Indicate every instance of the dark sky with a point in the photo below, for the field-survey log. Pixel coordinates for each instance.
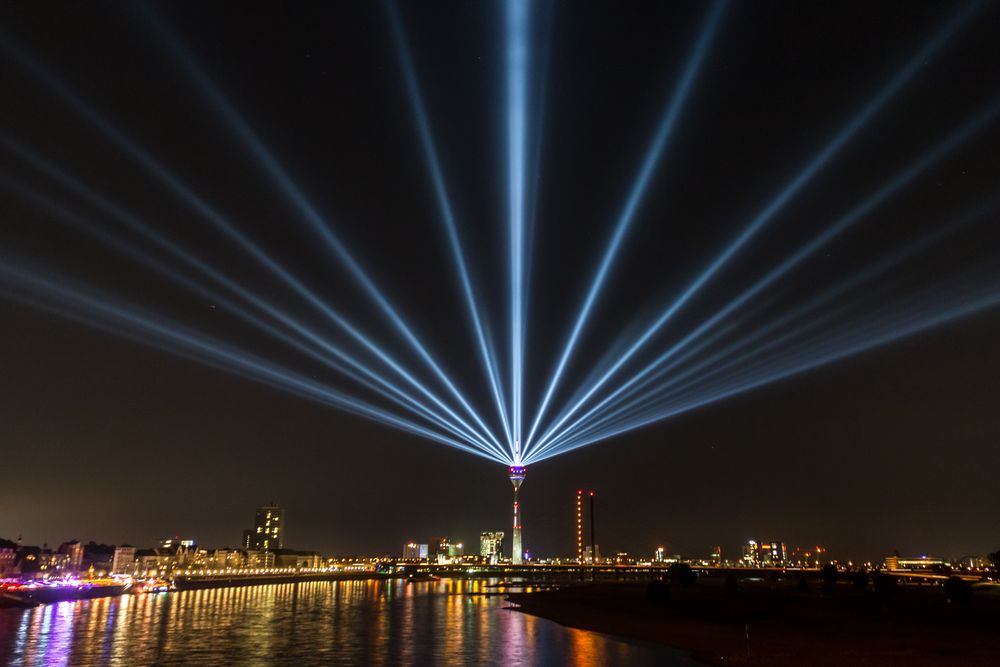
(108, 439)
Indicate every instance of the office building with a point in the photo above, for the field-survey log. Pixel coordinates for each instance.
(267, 533)
(773, 554)
(437, 546)
(414, 551)
(491, 546)
(123, 562)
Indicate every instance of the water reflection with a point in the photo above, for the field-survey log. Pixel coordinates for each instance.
(449, 622)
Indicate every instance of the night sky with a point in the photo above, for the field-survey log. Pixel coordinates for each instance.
(894, 449)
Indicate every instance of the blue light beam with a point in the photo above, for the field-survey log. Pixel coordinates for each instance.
(137, 226)
(652, 159)
(784, 196)
(866, 340)
(517, 58)
(726, 387)
(755, 364)
(193, 345)
(447, 215)
(887, 190)
(265, 159)
(147, 261)
(857, 279)
(62, 91)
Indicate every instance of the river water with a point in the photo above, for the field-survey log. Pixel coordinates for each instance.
(449, 622)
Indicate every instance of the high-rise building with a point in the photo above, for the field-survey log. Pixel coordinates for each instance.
(123, 562)
(414, 551)
(773, 554)
(750, 554)
(764, 554)
(267, 533)
(437, 546)
(491, 546)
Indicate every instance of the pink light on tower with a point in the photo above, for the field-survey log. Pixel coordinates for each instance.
(516, 475)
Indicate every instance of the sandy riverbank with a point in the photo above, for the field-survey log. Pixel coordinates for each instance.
(915, 627)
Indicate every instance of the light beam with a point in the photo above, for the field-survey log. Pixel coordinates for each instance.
(517, 58)
(625, 218)
(868, 339)
(264, 158)
(176, 338)
(447, 215)
(603, 413)
(60, 90)
(859, 121)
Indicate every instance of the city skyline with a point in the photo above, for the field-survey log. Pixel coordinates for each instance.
(264, 537)
(815, 258)
(260, 546)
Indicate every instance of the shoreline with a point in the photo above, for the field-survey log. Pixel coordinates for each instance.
(768, 623)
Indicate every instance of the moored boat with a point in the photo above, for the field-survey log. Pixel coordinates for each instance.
(42, 592)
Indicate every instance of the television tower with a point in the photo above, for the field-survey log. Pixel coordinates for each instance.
(516, 475)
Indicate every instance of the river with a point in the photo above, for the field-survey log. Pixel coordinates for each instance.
(449, 622)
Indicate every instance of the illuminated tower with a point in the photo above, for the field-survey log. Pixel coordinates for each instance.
(516, 478)
(579, 526)
(595, 553)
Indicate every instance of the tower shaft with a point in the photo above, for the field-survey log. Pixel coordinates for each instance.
(516, 475)
(517, 551)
